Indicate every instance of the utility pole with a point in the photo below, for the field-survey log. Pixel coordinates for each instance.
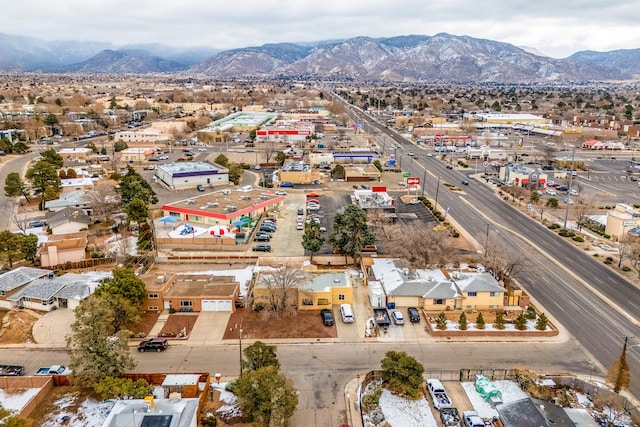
(486, 242)
(437, 190)
(424, 181)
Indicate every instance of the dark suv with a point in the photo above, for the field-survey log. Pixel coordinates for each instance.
(414, 315)
(327, 317)
(154, 344)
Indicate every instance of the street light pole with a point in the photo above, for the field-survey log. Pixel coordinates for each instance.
(486, 242)
(437, 190)
(566, 209)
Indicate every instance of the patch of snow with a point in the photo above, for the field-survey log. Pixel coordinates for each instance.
(115, 245)
(16, 400)
(510, 393)
(400, 412)
(583, 400)
(231, 409)
(89, 413)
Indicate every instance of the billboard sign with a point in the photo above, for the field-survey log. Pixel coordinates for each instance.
(413, 181)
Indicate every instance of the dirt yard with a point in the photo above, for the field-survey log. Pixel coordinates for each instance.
(265, 325)
(147, 321)
(177, 324)
(17, 326)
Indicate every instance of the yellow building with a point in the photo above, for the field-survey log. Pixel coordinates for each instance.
(622, 219)
(318, 290)
(432, 290)
(297, 172)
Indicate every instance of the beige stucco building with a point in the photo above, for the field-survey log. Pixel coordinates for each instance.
(622, 219)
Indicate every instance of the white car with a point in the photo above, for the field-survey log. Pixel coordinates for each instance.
(397, 316)
(551, 192)
(415, 202)
(163, 158)
(281, 193)
(300, 226)
(202, 149)
(573, 192)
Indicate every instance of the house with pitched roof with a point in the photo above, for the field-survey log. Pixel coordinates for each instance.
(13, 281)
(51, 292)
(433, 290)
(63, 248)
(68, 220)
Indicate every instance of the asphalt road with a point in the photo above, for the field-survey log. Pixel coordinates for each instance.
(597, 306)
(320, 371)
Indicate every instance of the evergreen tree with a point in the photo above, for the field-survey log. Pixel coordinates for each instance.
(311, 240)
(259, 355)
(14, 186)
(351, 232)
(541, 323)
(530, 312)
(403, 374)
(480, 322)
(462, 322)
(499, 323)
(521, 322)
(441, 321)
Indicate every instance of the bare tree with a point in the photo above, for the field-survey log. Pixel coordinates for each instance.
(104, 200)
(376, 219)
(504, 263)
(581, 210)
(21, 223)
(270, 150)
(549, 153)
(422, 246)
(282, 285)
(626, 244)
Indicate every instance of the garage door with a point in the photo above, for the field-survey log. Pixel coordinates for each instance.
(216, 305)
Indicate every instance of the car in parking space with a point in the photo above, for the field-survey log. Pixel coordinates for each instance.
(300, 211)
(281, 193)
(36, 224)
(323, 229)
(267, 229)
(573, 192)
(327, 317)
(313, 207)
(262, 247)
(551, 192)
(163, 158)
(200, 187)
(414, 315)
(415, 202)
(357, 187)
(286, 184)
(262, 238)
(153, 344)
(397, 317)
(365, 187)
(300, 218)
(202, 149)
(154, 159)
(299, 226)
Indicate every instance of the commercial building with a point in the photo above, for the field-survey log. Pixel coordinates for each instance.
(297, 172)
(289, 133)
(522, 176)
(136, 154)
(362, 173)
(190, 174)
(78, 154)
(621, 220)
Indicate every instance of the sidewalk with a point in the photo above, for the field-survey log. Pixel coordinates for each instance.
(352, 402)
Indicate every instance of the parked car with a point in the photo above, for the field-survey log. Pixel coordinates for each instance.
(281, 193)
(573, 192)
(465, 182)
(153, 344)
(300, 226)
(163, 158)
(200, 187)
(414, 315)
(415, 202)
(300, 211)
(313, 207)
(262, 247)
(551, 192)
(397, 316)
(365, 187)
(327, 317)
(262, 238)
(286, 184)
(357, 187)
(449, 167)
(35, 224)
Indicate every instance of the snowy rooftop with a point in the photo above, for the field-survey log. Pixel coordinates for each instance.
(180, 379)
(163, 412)
(323, 282)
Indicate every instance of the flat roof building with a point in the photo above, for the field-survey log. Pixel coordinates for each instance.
(190, 174)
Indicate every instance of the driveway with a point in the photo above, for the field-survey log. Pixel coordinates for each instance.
(51, 329)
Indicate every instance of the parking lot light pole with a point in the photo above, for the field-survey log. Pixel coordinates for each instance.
(437, 190)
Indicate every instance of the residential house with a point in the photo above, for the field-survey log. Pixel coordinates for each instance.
(432, 290)
(316, 290)
(63, 248)
(68, 220)
(535, 413)
(75, 199)
(192, 293)
(52, 292)
(12, 281)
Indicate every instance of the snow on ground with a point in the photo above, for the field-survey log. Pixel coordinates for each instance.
(115, 245)
(89, 413)
(16, 400)
(231, 409)
(510, 393)
(454, 326)
(399, 412)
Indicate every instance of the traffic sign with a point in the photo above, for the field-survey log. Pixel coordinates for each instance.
(406, 175)
(485, 163)
(413, 181)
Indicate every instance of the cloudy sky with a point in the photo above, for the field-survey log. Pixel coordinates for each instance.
(557, 28)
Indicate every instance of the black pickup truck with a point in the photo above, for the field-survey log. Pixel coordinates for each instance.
(11, 370)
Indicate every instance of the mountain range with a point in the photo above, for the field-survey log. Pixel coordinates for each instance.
(442, 58)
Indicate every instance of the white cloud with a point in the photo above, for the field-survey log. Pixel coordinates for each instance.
(558, 28)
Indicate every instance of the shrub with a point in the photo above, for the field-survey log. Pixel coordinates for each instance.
(209, 421)
(480, 322)
(608, 260)
(462, 322)
(441, 321)
(521, 322)
(530, 313)
(372, 400)
(499, 324)
(578, 239)
(626, 268)
(455, 234)
(541, 323)
(554, 226)
(258, 307)
(172, 310)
